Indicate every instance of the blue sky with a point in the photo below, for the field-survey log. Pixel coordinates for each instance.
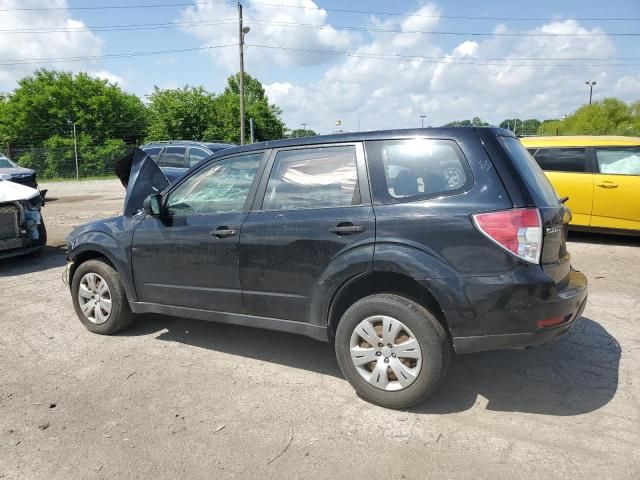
(464, 76)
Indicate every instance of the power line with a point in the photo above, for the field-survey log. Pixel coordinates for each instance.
(436, 60)
(430, 32)
(30, 61)
(222, 21)
(303, 7)
(450, 17)
(375, 56)
(111, 7)
(112, 28)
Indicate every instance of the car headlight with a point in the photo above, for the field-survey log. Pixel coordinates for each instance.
(5, 176)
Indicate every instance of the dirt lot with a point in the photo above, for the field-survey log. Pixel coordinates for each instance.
(175, 398)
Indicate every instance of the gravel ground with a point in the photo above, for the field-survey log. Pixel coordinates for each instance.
(176, 398)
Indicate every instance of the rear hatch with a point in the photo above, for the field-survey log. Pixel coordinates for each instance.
(529, 187)
(141, 176)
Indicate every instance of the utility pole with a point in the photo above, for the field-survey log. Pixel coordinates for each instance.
(242, 31)
(422, 117)
(591, 84)
(251, 130)
(304, 128)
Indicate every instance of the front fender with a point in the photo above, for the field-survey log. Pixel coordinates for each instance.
(108, 246)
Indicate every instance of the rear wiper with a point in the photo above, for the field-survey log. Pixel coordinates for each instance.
(563, 199)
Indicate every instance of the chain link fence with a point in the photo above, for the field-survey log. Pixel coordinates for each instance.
(61, 159)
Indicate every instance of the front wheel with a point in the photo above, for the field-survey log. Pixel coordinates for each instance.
(99, 298)
(393, 351)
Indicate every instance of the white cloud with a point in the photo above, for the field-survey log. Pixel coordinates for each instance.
(628, 88)
(108, 76)
(270, 26)
(33, 45)
(394, 76)
(490, 78)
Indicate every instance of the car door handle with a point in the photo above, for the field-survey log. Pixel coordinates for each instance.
(607, 184)
(223, 232)
(346, 229)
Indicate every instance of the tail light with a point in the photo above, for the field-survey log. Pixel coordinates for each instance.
(518, 231)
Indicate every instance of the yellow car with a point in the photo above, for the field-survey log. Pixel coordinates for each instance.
(599, 174)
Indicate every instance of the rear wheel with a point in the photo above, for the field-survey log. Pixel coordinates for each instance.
(393, 351)
(99, 298)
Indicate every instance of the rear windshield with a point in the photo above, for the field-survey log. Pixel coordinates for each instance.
(531, 172)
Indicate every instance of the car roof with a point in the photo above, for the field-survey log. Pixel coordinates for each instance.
(579, 141)
(194, 143)
(440, 132)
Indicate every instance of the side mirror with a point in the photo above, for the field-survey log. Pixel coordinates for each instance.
(152, 205)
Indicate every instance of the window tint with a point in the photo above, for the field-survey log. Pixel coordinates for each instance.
(173, 157)
(313, 178)
(221, 187)
(562, 159)
(417, 168)
(532, 174)
(153, 152)
(196, 154)
(619, 160)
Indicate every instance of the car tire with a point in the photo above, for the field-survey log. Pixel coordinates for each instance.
(419, 380)
(89, 276)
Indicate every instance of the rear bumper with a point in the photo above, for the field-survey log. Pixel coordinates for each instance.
(568, 303)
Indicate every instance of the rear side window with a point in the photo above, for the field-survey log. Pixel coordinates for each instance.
(173, 157)
(414, 169)
(196, 155)
(530, 171)
(619, 160)
(153, 152)
(562, 159)
(322, 177)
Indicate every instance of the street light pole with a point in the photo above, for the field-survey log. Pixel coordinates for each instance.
(422, 117)
(591, 84)
(241, 31)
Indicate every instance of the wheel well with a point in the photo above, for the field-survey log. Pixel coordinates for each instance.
(88, 255)
(384, 282)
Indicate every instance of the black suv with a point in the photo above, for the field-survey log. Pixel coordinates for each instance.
(398, 246)
(176, 157)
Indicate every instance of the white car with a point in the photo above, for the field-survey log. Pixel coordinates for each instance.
(22, 229)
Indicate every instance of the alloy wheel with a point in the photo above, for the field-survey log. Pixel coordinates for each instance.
(385, 353)
(94, 298)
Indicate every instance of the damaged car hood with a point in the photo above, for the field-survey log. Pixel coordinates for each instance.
(14, 192)
(141, 176)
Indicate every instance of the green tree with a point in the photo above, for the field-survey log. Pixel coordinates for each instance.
(187, 113)
(301, 132)
(607, 117)
(58, 156)
(551, 127)
(521, 127)
(474, 122)
(266, 116)
(49, 102)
